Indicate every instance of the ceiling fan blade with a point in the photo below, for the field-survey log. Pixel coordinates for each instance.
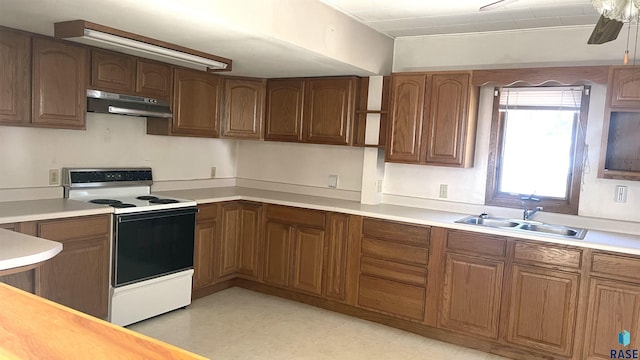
(493, 4)
(606, 30)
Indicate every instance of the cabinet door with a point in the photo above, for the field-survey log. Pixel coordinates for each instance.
(329, 106)
(470, 300)
(614, 306)
(277, 254)
(229, 249)
(405, 127)
(78, 276)
(249, 240)
(112, 71)
(624, 88)
(283, 120)
(308, 260)
(243, 108)
(15, 77)
(543, 309)
(335, 274)
(204, 254)
(195, 103)
(447, 117)
(59, 84)
(153, 79)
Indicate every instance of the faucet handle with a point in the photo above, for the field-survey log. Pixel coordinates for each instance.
(529, 198)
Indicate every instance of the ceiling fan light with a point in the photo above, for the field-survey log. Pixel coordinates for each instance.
(621, 10)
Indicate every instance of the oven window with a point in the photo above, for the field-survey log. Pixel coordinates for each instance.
(149, 245)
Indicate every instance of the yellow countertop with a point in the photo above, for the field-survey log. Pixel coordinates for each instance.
(35, 328)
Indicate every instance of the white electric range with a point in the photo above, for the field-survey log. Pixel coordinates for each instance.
(153, 240)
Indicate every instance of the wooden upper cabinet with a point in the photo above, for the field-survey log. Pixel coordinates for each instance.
(448, 122)
(624, 87)
(543, 307)
(59, 84)
(15, 77)
(196, 96)
(125, 74)
(153, 79)
(432, 119)
(283, 121)
(243, 108)
(405, 129)
(329, 110)
(112, 71)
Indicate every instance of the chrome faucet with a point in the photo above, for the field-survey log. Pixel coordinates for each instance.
(528, 214)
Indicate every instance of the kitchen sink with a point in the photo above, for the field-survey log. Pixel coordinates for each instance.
(525, 226)
(487, 221)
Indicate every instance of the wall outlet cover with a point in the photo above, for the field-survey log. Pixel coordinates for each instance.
(444, 191)
(213, 172)
(333, 181)
(54, 176)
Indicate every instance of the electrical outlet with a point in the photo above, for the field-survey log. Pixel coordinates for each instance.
(621, 194)
(444, 189)
(333, 181)
(213, 172)
(54, 176)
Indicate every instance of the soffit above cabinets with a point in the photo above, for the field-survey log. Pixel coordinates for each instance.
(418, 17)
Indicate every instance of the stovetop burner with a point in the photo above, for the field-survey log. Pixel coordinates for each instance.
(105, 201)
(147, 197)
(122, 205)
(163, 201)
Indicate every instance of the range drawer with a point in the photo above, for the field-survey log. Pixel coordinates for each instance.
(391, 297)
(409, 274)
(395, 231)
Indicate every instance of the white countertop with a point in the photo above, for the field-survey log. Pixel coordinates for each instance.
(34, 210)
(595, 239)
(18, 249)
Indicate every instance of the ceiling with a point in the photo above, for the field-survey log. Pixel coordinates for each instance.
(430, 17)
(282, 38)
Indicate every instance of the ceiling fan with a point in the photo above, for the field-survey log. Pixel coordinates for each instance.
(614, 13)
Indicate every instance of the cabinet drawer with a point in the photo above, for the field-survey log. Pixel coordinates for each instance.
(396, 252)
(616, 265)
(75, 228)
(298, 216)
(546, 254)
(393, 271)
(389, 230)
(207, 212)
(391, 297)
(475, 243)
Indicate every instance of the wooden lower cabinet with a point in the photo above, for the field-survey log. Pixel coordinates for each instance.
(78, 276)
(336, 257)
(204, 272)
(239, 241)
(543, 307)
(277, 253)
(308, 260)
(614, 306)
(470, 300)
(249, 239)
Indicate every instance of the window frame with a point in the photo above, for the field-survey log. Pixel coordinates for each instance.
(564, 206)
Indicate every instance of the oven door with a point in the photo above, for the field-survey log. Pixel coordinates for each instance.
(152, 244)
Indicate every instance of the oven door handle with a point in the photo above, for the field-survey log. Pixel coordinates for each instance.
(158, 214)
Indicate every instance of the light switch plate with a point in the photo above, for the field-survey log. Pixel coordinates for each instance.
(621, 194)
(444, 191)
(54, 176)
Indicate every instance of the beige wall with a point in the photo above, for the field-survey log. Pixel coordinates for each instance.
(27, 154)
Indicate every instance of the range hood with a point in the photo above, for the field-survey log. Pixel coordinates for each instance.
(110, 103)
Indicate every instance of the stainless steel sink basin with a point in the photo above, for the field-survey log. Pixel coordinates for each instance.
(554, 230)
(525, 226)
(487, 221)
